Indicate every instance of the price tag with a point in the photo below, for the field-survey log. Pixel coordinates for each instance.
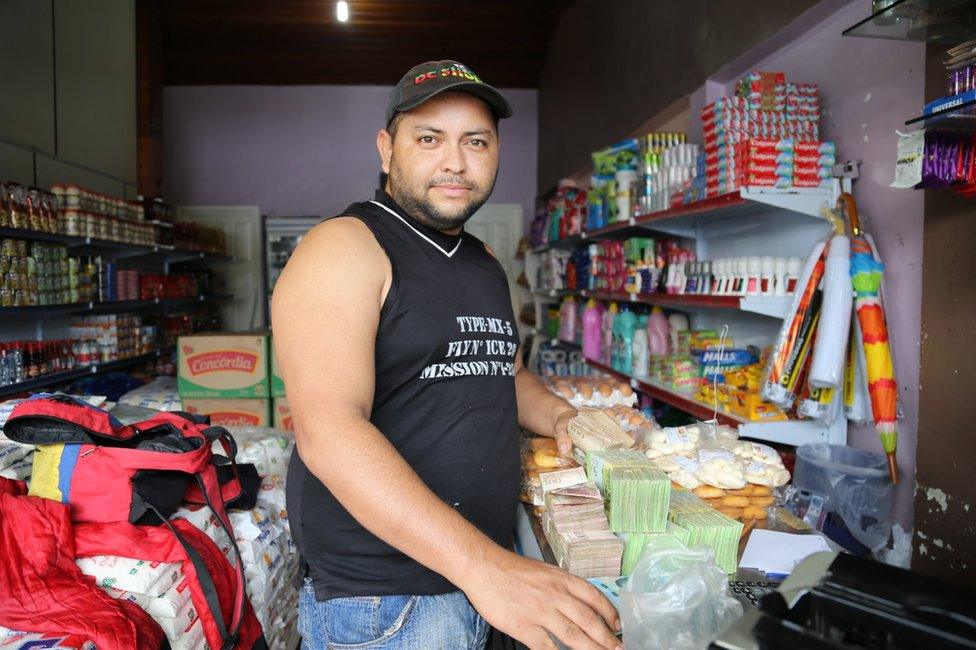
(755, 467)
(688, 464)
(676, 437)
(764, 450)
(714, 454)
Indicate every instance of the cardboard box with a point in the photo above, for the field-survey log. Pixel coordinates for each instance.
(232, 412)
(223, 365)
(281, 414)
(277, 383)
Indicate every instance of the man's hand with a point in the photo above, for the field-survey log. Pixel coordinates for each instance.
(561, 433)
(531, 600)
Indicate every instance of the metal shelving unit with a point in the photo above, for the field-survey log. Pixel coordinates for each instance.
(750, 214)
(56, 378)
(681, 220)
(788, 432)
(107, 306)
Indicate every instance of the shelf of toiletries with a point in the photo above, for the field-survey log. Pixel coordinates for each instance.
(772, 306)
(746, 201)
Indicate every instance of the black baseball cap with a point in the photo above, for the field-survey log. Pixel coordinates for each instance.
(433, 77)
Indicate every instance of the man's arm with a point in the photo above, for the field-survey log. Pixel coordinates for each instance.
(539, 410)
(325, 313)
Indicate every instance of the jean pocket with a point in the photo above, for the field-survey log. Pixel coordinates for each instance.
(360, 623)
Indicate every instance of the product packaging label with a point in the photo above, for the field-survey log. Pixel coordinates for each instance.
(281, 414)
(223, 366)
(231, 412)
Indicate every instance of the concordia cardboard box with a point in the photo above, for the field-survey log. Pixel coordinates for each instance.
(277, 383)
(281, 414)
(231, 412)
(223, 365)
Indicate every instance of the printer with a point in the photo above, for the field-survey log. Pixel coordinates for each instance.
(836, 600)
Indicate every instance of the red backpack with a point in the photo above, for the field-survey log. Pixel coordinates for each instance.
(138, 473)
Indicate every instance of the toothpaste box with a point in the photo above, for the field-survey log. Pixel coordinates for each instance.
(223, 365)
(231, 412)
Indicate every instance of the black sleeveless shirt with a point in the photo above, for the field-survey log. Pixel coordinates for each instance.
(444, 397)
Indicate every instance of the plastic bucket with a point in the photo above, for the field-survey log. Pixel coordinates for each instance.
(854, 484)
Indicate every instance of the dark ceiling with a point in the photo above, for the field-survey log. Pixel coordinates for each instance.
(301, 42)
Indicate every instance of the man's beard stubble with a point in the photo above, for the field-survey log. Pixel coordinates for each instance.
(415, 202)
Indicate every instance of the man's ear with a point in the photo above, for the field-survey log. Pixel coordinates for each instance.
(384, 145)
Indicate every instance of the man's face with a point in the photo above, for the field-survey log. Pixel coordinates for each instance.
(443, 160)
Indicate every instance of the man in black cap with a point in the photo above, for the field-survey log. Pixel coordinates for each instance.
(394, 331)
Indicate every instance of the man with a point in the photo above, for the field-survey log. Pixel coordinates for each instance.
(395, 335)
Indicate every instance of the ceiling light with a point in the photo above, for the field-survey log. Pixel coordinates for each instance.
(342, 11)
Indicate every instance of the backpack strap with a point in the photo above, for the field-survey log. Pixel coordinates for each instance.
(207, 481)
(229, 639)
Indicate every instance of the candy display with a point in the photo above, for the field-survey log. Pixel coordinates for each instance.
(931, 159)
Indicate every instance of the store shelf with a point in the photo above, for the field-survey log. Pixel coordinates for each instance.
(788, 432)
(681, 220)
(930, 21)
(554, 293)
(128, 250)
(64, 377)
(107, 306)
(772, 306)
(678, 399)
(960, 116)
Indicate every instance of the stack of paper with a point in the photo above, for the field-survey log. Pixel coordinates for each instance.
(715, 530)
(637, 499)
(599, 463)
(575, 508)
(593, 429)
(774, 552)
(575, 524)
(636, 543)
(588, 553)
(683, 502)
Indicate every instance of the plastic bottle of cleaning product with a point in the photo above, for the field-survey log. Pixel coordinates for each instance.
(639, 353)
(609, 316)
(625, 325)
(567, 320)
(592, 335)
(657, 333)
(677, 322)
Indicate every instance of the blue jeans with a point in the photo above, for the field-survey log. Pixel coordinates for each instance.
(446, 621)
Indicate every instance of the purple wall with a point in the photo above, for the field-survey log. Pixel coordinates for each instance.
(868, 88)
(305, 150)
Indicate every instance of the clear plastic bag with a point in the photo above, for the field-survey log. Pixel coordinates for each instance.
(677, 598)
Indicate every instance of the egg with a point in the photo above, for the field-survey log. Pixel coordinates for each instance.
(585, 391)
(625, 390)
(565, 392)
(635, 420)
